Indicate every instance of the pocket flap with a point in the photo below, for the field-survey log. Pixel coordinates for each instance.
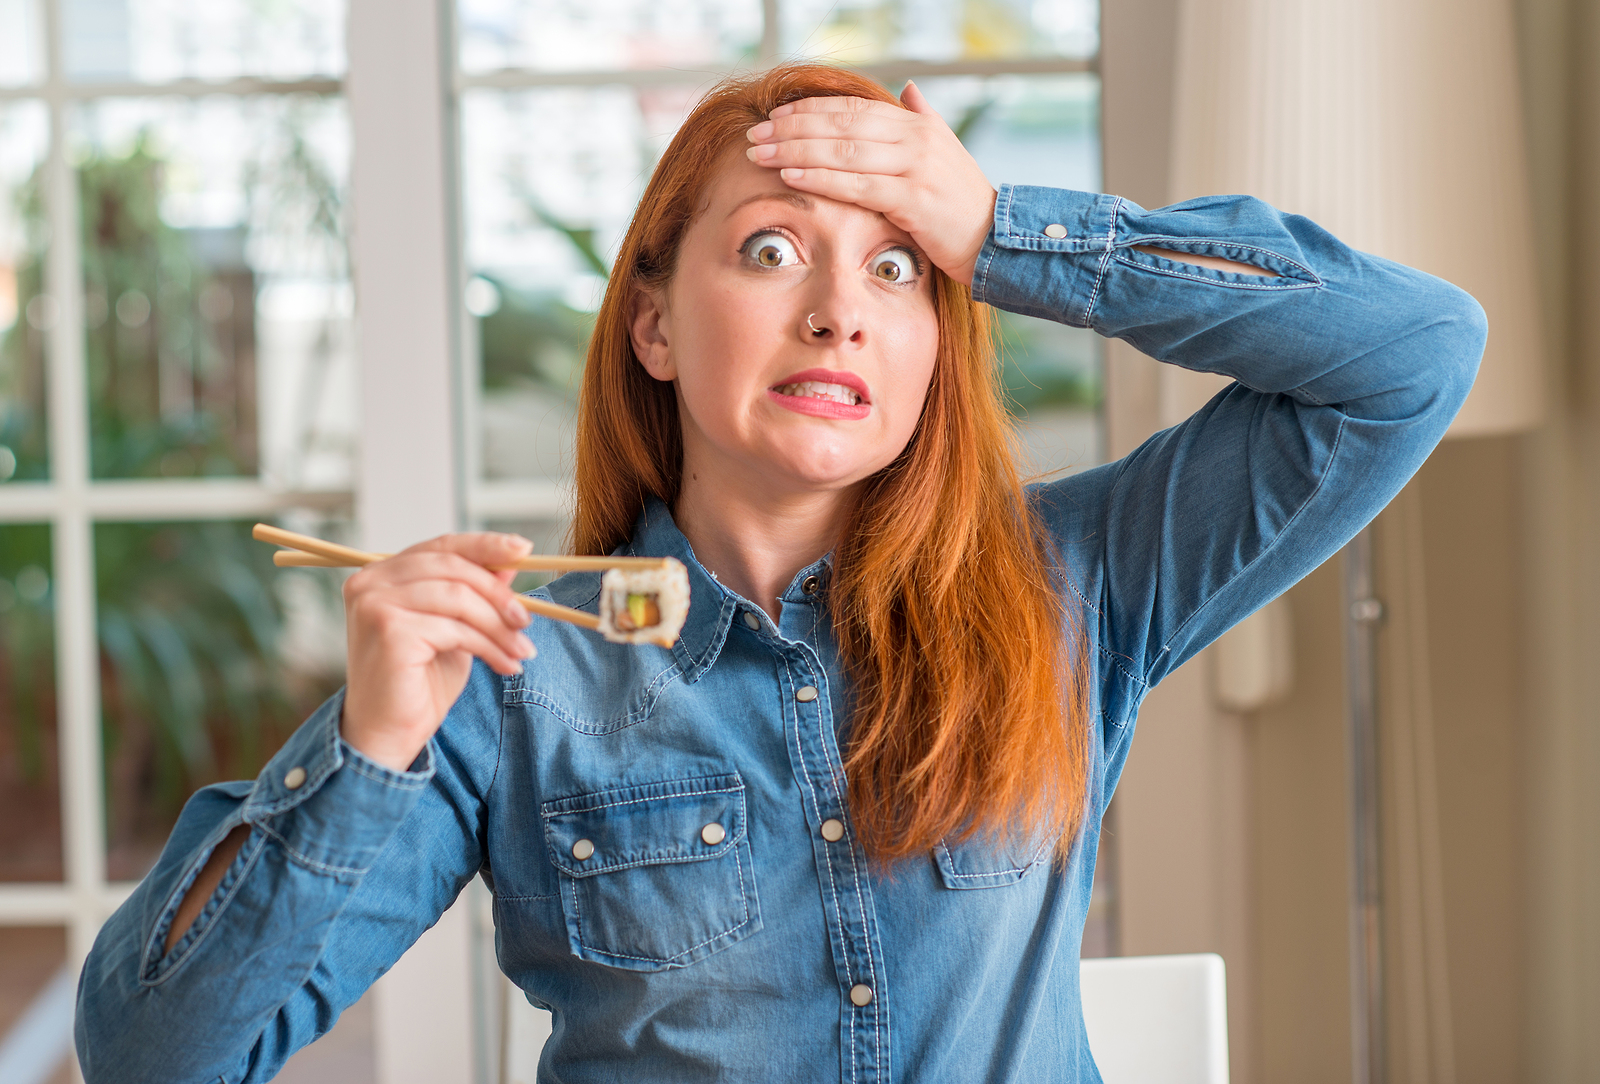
(980, 863)
(649, 824)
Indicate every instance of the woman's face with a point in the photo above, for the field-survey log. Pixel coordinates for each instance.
(764, 400)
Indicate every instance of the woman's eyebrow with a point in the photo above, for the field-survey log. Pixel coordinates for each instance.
(794, 198)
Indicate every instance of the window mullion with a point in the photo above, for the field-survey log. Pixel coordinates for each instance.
(72, 543)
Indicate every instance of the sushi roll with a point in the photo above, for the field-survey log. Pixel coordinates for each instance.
(644, 606)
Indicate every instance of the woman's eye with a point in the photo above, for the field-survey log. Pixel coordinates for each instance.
(772, 250)
(896, 265)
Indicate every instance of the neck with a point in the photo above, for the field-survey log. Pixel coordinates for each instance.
(756, 541)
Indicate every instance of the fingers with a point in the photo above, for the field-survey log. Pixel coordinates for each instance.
(874, 192)
(459, 558)
(389, 609)
(835, 103)
(836, 124)
(444, 635)
(480, 547)
(855, 155)
(911, 97)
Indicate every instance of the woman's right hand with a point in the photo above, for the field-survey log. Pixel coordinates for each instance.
(413, 624)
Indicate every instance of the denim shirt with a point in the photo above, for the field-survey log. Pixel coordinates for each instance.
(709, 927)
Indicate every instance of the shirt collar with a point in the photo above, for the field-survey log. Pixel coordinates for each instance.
(712, 607)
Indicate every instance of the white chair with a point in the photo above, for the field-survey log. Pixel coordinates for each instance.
(1157, 1019)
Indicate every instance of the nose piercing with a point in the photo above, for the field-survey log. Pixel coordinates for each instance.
(815, 330)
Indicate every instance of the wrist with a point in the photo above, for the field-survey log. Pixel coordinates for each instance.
(397, 752)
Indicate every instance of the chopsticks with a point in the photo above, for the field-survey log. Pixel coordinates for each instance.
(307, 552)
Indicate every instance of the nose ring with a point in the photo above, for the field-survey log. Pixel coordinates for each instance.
(815, 330)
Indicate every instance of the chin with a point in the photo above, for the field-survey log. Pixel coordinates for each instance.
(830, 468)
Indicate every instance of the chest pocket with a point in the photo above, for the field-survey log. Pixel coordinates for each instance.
(655, 875)
(980, 862)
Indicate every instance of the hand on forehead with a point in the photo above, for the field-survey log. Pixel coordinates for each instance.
(904, 163)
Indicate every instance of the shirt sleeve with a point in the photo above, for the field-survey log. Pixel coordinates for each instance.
(1347, 370)
(347, 863)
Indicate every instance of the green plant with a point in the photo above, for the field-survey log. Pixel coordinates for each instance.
(190, 623)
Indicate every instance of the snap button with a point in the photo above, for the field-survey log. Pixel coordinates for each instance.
(806, 693)
(860, 995)
(832, 830)
(751, 620)
(810, 585)
(1055, 230)
(294, 778)
(583, 850)
(713, 834)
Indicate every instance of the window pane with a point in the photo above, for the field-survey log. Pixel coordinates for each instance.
(30, 795)
(34, 976)
(614, 35)
(21, 44)
(1042, 130)
(863, 31)
(210, 657)
(551, 179)
(159, 40)
(217, 296)
(25, 313)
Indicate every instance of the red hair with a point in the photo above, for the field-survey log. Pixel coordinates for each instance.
(969, 711)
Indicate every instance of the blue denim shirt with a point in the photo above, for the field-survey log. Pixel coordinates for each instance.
(675, 952)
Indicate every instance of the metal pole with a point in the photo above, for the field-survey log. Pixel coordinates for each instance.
(1363, 612)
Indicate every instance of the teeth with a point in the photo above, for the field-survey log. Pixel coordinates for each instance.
(815, 389)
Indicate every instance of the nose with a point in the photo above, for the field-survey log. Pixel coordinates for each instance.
(833, 317)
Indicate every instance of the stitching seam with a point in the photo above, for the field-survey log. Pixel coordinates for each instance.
(307, 861)
(1105, 259)
(549, 813)
(1215, 282)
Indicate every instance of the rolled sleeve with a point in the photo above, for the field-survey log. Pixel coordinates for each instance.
(1009, 273)
(331, 808)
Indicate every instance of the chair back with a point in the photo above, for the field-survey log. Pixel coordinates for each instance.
(1157, 1019)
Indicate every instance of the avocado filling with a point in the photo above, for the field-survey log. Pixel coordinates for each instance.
(643, 613)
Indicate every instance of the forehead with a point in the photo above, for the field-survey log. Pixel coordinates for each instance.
(738, 185)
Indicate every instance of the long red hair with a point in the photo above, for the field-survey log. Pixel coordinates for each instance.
(969, 712)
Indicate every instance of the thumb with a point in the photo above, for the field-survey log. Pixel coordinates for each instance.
(911, 97)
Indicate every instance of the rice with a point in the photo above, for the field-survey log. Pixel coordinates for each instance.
(647, 606)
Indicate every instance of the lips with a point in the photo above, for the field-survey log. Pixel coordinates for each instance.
(829, 385)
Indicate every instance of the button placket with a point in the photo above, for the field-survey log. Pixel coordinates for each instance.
(846, 892)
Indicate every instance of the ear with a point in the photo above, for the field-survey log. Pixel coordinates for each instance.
(648, 326)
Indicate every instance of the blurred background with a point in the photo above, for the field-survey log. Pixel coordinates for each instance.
(335, 265)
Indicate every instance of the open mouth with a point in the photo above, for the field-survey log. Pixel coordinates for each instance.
(816, 389)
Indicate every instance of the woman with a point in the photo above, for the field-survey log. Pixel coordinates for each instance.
(848, 823)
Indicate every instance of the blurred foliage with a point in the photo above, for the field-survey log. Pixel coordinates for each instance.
(142, 284)
(533, 336)
(27, 646)
(190, 626)
(22, 388)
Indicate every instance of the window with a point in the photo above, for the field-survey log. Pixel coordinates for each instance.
(175, 362)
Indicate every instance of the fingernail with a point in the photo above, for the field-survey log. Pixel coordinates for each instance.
(761, 131)
(762, 152)
(791, 174)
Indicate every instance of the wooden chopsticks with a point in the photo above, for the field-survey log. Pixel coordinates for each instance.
(306, 552)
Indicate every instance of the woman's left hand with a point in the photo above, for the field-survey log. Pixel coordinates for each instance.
(903, 163)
